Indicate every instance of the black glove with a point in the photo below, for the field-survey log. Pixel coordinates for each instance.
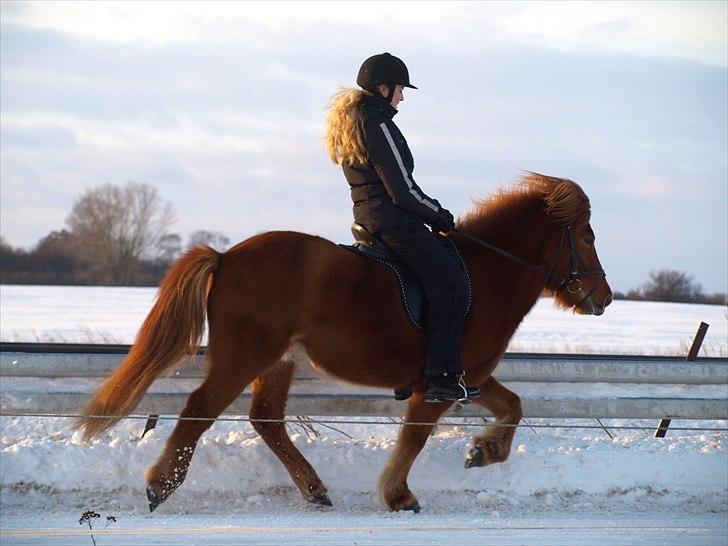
(445, 221)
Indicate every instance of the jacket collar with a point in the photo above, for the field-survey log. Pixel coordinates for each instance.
(379, 105)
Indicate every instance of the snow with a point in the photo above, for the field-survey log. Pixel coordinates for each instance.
(559, 486)
(91, 314)
(269, 527)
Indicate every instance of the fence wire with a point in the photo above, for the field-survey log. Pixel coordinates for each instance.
(393, 421)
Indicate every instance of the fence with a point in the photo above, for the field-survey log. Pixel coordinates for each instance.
(57, 379)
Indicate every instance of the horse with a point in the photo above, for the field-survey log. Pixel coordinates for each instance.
(282, 290)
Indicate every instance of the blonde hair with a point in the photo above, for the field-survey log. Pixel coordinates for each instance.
(344, 139)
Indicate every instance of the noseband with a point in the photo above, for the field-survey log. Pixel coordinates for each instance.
(571, 283)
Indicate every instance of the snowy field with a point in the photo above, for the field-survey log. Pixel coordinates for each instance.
(89, 314)
(560, 485)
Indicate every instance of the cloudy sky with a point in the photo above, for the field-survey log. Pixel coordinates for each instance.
(221, 107)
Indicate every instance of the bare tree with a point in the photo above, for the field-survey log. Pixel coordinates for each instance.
(671, 285)
(215, 239)
(116, 227)
(169, 248)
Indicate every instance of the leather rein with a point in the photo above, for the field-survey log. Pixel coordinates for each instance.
(572, 283)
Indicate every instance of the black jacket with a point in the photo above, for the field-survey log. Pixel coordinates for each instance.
(383, 190)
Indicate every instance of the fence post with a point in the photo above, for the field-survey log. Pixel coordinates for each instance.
(692, 355)
(151, 423)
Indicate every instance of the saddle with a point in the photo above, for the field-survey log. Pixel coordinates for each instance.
(413, 295)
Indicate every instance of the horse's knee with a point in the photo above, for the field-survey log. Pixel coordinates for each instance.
(196, 405)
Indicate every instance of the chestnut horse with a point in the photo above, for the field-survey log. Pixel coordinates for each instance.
(282, 289)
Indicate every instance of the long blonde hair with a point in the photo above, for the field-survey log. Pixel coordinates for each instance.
(344, 139)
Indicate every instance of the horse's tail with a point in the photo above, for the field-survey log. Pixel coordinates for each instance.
(172, 331)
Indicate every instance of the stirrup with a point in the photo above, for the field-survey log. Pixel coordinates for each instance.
(471, 392)
(468, 392)
(463, 397)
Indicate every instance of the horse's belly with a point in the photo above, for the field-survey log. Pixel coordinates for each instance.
(372, 368)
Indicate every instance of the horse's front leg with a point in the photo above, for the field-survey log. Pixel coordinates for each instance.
(494, 445)
(393, 487)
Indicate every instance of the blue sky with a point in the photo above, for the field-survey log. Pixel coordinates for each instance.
(221, 106)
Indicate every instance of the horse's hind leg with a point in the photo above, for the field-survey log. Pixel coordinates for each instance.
(393, 488)
(233, 363)
(270, 392)
(494, 445)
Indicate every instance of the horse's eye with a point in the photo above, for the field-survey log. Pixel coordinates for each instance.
(590, 242)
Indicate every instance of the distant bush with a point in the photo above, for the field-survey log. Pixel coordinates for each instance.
(56, 264)
(52, 262)
(672, 286)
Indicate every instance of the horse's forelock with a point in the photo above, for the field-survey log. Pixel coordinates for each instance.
(564, 199)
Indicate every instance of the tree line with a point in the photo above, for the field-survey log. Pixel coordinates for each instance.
(120, 236)
(115, 236)
(674, 286)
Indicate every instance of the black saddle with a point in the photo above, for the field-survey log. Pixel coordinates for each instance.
(413, 295)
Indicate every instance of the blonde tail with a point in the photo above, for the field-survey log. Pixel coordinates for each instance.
(172, 331)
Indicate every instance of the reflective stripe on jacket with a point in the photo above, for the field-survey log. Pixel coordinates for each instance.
(384, 193)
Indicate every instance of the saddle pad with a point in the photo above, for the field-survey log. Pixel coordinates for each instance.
(413, 295)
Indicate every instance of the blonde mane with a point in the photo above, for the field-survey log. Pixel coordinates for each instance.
(343, 140)
(563, 199)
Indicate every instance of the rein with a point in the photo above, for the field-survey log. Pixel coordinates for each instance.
(572, 283)
(503, 253)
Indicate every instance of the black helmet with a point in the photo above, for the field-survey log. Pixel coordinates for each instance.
(383, 69)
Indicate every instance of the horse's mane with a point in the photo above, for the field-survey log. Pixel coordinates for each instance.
(562, 199)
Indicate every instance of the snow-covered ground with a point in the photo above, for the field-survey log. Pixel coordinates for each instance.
(92, 314)
(560, 485)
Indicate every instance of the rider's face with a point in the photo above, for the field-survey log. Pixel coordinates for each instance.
(396, 98)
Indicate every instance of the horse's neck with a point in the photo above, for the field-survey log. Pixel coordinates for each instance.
(505, 291)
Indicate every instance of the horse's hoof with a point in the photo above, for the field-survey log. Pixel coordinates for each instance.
(321, 499)
(474, 457)
(414, 507)
(154, 499)
(403, 393)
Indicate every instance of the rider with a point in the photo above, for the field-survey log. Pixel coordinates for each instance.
(378, 164)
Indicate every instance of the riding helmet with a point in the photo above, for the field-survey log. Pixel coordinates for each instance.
(383, 69)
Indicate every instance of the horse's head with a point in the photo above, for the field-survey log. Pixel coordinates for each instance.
(575, 277)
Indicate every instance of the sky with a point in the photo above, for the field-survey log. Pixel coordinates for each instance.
(221, 107)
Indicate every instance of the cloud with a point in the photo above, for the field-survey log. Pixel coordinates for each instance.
(686, 29)
(226, 119)
(672, 29)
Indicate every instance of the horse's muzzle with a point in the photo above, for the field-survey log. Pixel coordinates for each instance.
(599, 309)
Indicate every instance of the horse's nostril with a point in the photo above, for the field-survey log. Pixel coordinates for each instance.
(607, 300)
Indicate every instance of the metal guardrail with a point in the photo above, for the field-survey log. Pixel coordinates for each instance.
(83, 360)
(57, 378)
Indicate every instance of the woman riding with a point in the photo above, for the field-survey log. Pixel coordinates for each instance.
(378, 164)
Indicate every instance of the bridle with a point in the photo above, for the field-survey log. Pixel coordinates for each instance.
(572, 283)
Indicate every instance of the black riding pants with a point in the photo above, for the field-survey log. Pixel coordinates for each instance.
(445, 287)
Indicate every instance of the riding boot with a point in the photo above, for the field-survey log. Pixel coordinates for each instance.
(442, 387)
